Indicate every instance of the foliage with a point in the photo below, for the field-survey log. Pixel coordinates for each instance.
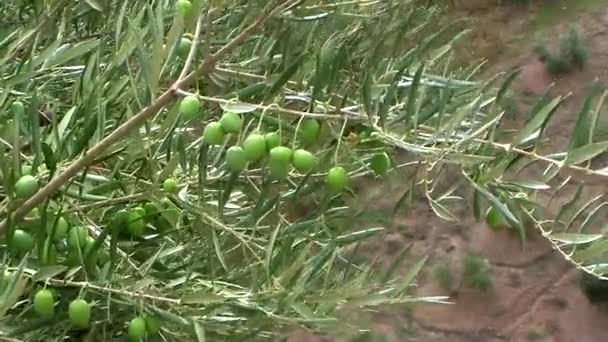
(572, 54)
(476, 272)
(90, 105)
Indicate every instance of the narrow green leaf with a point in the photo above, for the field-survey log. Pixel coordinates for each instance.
(96, 5)
(397, 262)
(366, 94)
(200, 332)
(358, 235)
(530, 184)
(270, 251)
(238, 108)
(537, 121)
(506, 85)
(585, 153)
(72, 52)
(592, 217)
(218, 248)
(442, 211)
(410, 107)
(503, 209)
(286, 75)
(48, 272)
(411, 275)
(582, 134)
(202, 298)
(49, 159)
(574, 239)
(456, 120)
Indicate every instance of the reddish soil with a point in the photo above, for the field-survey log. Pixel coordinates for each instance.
(534, 294)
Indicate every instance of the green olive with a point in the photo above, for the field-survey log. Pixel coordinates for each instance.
(273, 139)
(494, 219)
(279, 170)
(183, 7)
(44, 303)
(254, 146)
(309, 131)
(281, 155)
(152, 325)
(137, 329)
(183, 49)
(79, 312)
(88, 248)
(213, 134)
(136, 224)
(380, 163)
(190, 107)
(236, 159)
(336, 179)
(151, 210)
(26, 186)
(18, 109)
(170, 186)
(77, 237)
(303, 161)
(22, 241)
(231, 122)
(61, 229)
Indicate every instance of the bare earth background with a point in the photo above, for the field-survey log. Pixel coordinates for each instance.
(534, 294)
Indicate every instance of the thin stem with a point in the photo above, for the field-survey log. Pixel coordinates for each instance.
(340, 140)
(277, 109)
(192, 52)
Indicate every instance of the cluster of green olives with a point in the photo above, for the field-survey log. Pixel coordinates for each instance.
(79, 315)
(281, 158)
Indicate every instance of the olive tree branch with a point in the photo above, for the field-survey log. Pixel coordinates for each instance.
(140, 118)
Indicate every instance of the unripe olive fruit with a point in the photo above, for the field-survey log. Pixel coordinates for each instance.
(303, 161)
(183, 7)
(281, 155)
(79, 313)
(44, 303)
(151, 210)
(170, 186)
(236, 159)
(231, 122)
(494, 219)
(380, 163)
(88, 248)
(22, 241)
(254, 146)
(137, 329)
(26, 170)
(26, 186)
(213, 134)
(183, 49)
(77, 237)
(61, 229)
(189, 107)
(279, 170)
(336, 179)
(309, 131)
(136, 224)
(152, 325)
(273, 139)
(18, 108)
